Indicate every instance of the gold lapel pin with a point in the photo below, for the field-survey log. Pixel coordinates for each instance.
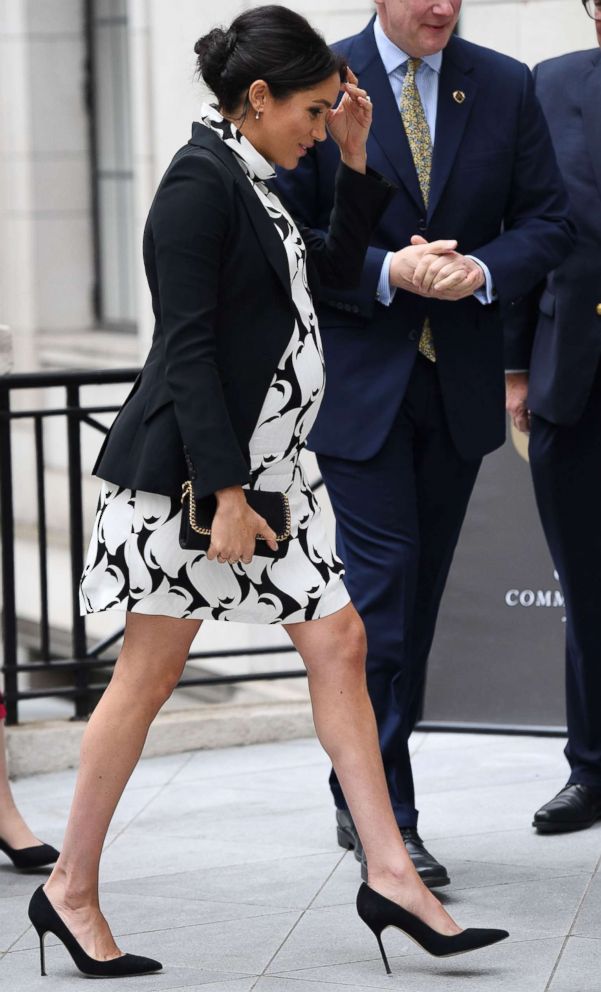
(458, 96)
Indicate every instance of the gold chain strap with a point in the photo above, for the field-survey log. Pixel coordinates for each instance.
(187, 492)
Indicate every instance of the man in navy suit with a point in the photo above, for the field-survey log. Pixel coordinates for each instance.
(557, 336)
(414, 356)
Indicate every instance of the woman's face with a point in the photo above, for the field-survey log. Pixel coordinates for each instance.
(287, 128)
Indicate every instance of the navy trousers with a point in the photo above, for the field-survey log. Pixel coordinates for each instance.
(566, 469)
(398, 516)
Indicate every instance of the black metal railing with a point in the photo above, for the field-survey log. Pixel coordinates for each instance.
(87, 661)
(82, 670)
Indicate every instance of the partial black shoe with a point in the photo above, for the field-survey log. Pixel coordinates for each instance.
(30, 857)
(347, 835)
(46, 920)
(575, 807)
(431, 872)
(377, 913)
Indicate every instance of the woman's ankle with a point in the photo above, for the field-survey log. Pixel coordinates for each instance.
(71, 894)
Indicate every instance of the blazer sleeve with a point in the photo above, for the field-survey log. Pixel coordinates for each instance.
(309, 192)
(190, 219)
(538, 232)
(339, 252)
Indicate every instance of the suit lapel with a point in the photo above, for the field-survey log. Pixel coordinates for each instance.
(591, 113)
(387, 128)
(452, 116)
(269, 239)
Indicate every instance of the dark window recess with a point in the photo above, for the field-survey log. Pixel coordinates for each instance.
(111, 152)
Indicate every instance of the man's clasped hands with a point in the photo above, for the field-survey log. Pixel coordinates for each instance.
(435, 269)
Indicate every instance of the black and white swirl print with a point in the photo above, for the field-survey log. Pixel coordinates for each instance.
(134, 560)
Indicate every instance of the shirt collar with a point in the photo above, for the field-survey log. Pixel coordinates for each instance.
(394, 57)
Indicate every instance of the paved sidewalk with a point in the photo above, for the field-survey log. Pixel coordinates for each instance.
(223, 864)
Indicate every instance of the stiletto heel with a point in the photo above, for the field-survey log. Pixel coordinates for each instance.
(383, 953)
(377, 913)
(41, 934)
(45, 920)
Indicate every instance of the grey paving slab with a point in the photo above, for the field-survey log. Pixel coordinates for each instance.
(436, 770)
(133, 914)
(157, 845)
(481, 810)
(13, 922)
(289, 883)
(252, 759)
(523, 967)
(588, 920)
(529, 910)
(579, 968)
(328, 936)
(477, 742)
(296, 781)
(20, 972)
(229, 948)
(342, 886)
(20, 883)
(233, 985)
(562, 854)
(274, 983)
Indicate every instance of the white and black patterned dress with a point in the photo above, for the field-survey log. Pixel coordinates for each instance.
(134, 560)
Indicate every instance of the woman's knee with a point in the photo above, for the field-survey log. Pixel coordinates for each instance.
(152, 659)
(343, 648)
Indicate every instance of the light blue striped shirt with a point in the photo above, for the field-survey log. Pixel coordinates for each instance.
(426, 79)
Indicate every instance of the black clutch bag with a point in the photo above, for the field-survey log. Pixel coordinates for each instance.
(197, 518)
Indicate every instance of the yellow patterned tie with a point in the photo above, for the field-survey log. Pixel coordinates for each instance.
(420, 143)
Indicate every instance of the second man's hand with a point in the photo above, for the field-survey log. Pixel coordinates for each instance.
(435, 270)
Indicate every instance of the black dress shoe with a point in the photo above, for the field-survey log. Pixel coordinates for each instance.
(347, 835)
(431, 872)
(575, 807)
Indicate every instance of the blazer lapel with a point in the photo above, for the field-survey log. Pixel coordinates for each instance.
(264, 227)
(387, 128)
(591, 114)
(452, 116)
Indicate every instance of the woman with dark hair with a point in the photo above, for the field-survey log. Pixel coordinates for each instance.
(228, 393)
(16, 839)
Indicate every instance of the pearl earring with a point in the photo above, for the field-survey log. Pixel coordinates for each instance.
(258, 115)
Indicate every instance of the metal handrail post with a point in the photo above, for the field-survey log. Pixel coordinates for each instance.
(7, 535)
(79, 639)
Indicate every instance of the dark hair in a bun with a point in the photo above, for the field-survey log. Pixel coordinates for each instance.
(271, 43)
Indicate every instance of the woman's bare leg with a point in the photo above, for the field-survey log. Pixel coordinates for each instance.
(333, 650)
(149, 667)
(13, 828)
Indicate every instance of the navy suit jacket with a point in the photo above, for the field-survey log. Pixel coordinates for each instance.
(557, 332)
(495, 187)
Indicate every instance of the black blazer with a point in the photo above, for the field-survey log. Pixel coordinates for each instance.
(221, 296)
(557, 333)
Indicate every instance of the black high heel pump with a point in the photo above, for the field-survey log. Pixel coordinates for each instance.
(30, 857)
(377, 913)
(46, 920)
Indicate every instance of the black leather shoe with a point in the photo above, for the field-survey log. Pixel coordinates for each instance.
(431, 872)
(575, 807)
(347, 834)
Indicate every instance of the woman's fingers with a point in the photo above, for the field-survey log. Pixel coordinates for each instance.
(268, 534)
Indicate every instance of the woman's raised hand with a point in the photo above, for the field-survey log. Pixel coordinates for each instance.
(350, 122)
(236, 527)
